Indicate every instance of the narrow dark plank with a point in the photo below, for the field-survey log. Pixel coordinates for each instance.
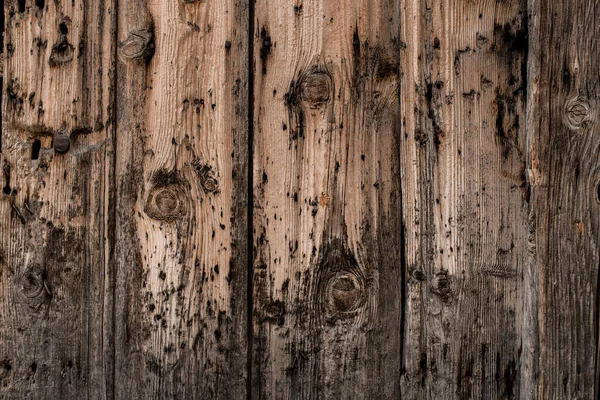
(563, 161)
(54, 270)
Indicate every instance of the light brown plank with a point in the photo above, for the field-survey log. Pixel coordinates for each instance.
(464, 196)
(327, 226)
(181, 172)
(56, 130)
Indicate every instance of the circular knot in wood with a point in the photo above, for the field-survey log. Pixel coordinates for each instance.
(32, 284)
(166, 203)
(344, 293)
(206, 176)
(443, 286)
(34, 291)
(167, 200)
(138, 45)
(62, 53)
(315, 89)
(341, 288)
(577, 114)
(274, 311)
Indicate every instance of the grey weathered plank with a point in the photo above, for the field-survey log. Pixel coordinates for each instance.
(327, 239)
(181, 190)
(56, 129)
(563, 153)
(464, 196)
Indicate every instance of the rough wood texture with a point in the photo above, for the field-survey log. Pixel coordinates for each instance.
(327, 268)
(181, 190)
(563, 153)
(361, 199)
(464, 196)
(56, 123)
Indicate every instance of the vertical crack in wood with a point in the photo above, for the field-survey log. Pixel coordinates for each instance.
(250, 222)
(111, 207)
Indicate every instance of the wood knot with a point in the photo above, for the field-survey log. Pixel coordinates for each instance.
(167, 200)
(206, 176)
(344, 293)
(139, 45)
(577, 113)
(315, 89)
(443, 286)
(341, 291)
(61, 142)
(5, 368)
(274, 311)
(62, 53)
(34, 289)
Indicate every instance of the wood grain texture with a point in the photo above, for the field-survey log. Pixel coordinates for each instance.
(181, 200)
(54, 272)
(463, 94)
(563, 153)
(327, 262)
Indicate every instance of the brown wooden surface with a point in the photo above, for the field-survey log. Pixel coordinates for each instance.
(327, 267)
(299, 200)
(464, 196)
(563, 153)
(54, 269)
(180, 184)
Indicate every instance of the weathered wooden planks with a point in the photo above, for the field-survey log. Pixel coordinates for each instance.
(327, 269)
(464, 196)
(56, 130)
(563, 161)
(181, 199)
(425, 190)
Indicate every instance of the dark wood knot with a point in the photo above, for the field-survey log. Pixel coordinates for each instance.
(5, 368)
(165, 203)
(62, 53)
(344, 293)
(274, 311)
(577, 113)
(443, 286)
(61, 142)
(167, 200)
(341, 289)
(138, 45)
(315, 89)
(33, 288)
(206, 176)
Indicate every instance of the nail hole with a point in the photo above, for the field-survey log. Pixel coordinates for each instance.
(35, 149)
(63, 28)
(21, 6)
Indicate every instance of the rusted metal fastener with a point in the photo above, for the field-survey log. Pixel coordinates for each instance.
(62, 142)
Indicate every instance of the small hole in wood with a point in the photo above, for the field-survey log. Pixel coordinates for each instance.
(35, 149)
(63, 28)
(40, 4)
(598, 192)
(6, 190)
(21, 6)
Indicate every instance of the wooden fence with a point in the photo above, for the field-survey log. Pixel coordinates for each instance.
(303, 199)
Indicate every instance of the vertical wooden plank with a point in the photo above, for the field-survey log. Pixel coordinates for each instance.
(181, 197)
(563, 161)
(464, 196)
(327, 268)
(56, 129)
